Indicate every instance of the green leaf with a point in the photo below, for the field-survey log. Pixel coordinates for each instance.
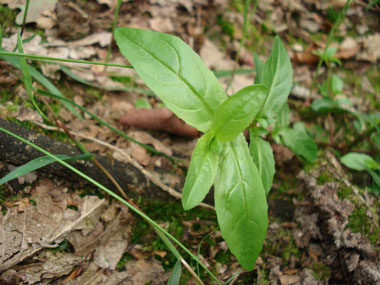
(36, 164)
(240, 202)
(174, 72)
(27, 78)
(234, 114)
(359, 161)
(283, 117)
(277, 76)
(262, 154)
(299, 141)
(142, 103)
(175, 276)
(202, 171)
(259, 65)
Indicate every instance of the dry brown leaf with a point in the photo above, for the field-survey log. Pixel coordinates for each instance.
(306, 56)
(35, 11)
(371, 46)
(158, 119)
(348, 48)
(146, 138)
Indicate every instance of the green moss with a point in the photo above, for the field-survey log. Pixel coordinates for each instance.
(123, 260)
(321, 271)
(358, 222)
(2, 197)
(7, 18)
(344, 192)
(226, 26)
(171, 214)
(288, 251)
(223, 257)
(324, 177)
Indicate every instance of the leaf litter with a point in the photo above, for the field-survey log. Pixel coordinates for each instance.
(297, 251)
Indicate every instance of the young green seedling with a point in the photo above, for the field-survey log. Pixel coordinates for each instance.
(172, 70)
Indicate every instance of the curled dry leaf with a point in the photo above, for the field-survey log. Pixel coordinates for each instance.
(306, 56)
(158, 119)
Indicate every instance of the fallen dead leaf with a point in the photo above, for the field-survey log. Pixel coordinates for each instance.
(35, 11)
(371, 45)
(158, 119)
(306, 56)
(348, 48)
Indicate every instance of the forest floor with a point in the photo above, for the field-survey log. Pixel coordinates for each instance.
(323, 217)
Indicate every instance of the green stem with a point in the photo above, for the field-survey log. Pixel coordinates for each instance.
(113, 28)
(341, 16)
(50, 58)
(117, 197)
(245, 27)
(25, 14)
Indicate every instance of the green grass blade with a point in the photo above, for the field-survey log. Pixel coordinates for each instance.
(25, 15)
(147, 147)
(43, 58)
(38, 163)
(27, 78)
(71, 74)
(175, 276)
(113, 28)
(117, 197)
(40, 78)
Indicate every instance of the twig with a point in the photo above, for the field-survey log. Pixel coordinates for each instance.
(187, 266)
(84, 150)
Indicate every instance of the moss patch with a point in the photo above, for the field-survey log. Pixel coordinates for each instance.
(358, 222)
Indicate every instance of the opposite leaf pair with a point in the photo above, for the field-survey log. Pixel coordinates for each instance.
(230, 119)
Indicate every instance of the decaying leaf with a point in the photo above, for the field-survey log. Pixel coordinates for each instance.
(158, 119)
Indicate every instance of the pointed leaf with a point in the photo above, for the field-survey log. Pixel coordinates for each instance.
(234, 114)
(277, 77)
(240, 202)
(283, 116)
(174, 72)
(359, 161)
(175, 276)
(262, 155)
(259, 65)
(202, 171)
(299, 141)
(27, 78)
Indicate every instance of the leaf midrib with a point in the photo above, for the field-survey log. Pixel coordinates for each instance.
(242, 182)
(270, 91)
(207, 107)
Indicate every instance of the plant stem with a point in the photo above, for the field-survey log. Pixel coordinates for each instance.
(337, 23)
(25, 14)
(113, 28)
(245, 26)
(43, 58)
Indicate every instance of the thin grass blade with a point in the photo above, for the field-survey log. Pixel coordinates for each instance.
(37, 164)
